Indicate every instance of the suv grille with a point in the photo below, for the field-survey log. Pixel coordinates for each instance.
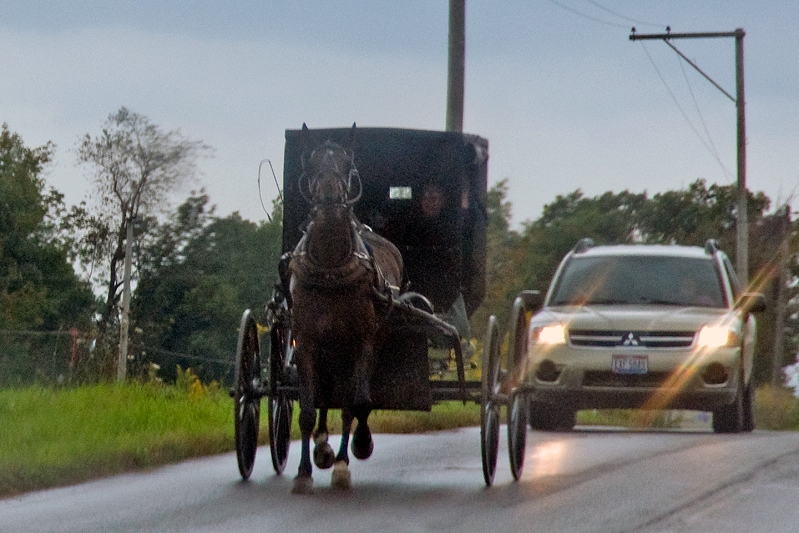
(641, 339)
(596, 378)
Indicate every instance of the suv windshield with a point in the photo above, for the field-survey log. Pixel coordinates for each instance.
(637, 279)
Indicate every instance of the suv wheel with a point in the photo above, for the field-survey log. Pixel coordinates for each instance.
(748, 408)
(730, 418)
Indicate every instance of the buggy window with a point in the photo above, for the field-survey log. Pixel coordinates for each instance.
(657, 280)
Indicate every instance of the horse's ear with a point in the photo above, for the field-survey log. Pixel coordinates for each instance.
(306, 144)
(351, 138)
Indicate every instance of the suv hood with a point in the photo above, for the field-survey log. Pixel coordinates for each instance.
(632, 317)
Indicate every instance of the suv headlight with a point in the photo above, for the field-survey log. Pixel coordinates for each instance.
(716, 336)
(552, 334)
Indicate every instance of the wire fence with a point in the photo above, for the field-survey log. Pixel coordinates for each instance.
(71, 357)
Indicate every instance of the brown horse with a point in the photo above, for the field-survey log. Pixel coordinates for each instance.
(336, 270)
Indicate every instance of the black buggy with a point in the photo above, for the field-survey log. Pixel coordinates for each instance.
(425, 191)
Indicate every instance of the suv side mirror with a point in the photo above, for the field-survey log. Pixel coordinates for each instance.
(532, 299)
(752, 302)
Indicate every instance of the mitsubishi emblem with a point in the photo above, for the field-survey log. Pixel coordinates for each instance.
(629, 340)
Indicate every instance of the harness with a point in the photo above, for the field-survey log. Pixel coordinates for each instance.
(360, 267)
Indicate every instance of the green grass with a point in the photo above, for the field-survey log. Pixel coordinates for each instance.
(51, 437)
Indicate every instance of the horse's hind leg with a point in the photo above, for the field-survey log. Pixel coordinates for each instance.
(341, 471)
(362, 443)
(323, 455)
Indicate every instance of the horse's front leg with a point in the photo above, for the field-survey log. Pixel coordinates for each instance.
(303, 483)
(341, 473)
(323, 455)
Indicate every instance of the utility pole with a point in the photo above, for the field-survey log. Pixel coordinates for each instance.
(742, 227)
(456, 64)
(122, 361)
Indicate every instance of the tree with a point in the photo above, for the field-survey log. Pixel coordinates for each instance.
(136, 166)
(39, 290)
(698, 213)
(197, 275)
(38, 286)
(501, 244)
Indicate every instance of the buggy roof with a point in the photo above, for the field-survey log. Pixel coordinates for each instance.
(423, 190)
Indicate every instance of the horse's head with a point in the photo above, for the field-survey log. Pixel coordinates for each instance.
(329, 175)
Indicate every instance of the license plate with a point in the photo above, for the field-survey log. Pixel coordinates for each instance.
(630, 364)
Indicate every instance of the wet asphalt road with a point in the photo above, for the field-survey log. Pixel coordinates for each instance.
(584, 481)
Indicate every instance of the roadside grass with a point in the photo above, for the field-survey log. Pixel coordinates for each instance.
(52, 437)
(776, 408)
(635, 419)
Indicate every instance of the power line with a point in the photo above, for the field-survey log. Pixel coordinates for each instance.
(635, 21)
(714, 152)
(607, 10)
(679, 107)
(144, 348)
(589, 17)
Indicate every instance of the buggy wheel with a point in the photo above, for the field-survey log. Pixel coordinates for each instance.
(280, 412)
(280, 407)
(517, 432)
(517, 353)
(247, 394)
(489, 402)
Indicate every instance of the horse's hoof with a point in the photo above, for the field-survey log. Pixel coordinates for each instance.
(362, 448)
(323, 455)
(341, 476)
(302, 485)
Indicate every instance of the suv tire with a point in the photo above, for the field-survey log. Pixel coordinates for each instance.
(730, 418)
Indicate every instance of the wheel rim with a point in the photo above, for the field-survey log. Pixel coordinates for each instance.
(280, 411)
(490, 443)
(247, 437)
(247, 400)
(280, 408)
(517, 434)
(489, 412)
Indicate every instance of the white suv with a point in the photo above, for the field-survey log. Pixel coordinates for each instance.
(643, 326)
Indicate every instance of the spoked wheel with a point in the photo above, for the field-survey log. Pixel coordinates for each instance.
(280, 411)
(517, 405)
(489, 403)
(247, 394)
(517, 432)
(280, 407)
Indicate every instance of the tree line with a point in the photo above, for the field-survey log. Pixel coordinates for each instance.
(195, 272)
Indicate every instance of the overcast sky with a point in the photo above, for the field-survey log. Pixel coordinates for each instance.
(565, 99)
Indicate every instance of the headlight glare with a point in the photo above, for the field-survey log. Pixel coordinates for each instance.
(715, 336)
(553, 334)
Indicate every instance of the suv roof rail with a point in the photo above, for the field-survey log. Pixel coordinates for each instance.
(583, 245)
(712, 246)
